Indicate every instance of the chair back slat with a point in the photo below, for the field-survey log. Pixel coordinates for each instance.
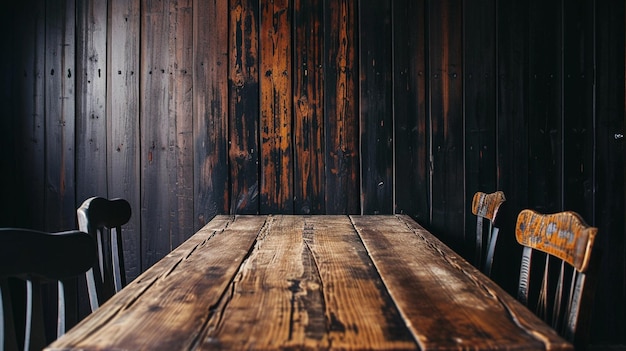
(567, 243)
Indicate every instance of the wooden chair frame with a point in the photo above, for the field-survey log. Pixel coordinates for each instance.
(564, 237)
(103, 219)
(486, 206)
(35, 257)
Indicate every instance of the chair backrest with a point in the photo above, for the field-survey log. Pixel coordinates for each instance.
(103, 220)
(563, 294)
(485, 207)
(37, 257)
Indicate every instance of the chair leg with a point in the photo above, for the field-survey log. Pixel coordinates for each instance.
(61, 309)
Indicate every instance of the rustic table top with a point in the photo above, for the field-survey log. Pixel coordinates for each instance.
(311, 282)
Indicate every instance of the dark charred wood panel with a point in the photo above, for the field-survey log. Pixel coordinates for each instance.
(512, 128)
(479, 47)
(308, 115)
(578, 70)
(23, 119)
(376, 110)
(124, 164)
(341, 126)
(244, 146)
(276, 77)
(60, 116)
(412, 159)
(609, 213)
(545, 116)
(210, 103)
(446, 118)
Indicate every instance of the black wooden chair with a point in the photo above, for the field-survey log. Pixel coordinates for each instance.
(566, 270)
(103, 220)
(485, 207)
(37, 257)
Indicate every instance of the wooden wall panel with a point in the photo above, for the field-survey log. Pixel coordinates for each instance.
(167, 127)
(27, 143)
(276, 77)
(210, 100)
(123, 68)
(479, 47)
(319, 106)
(308, 115)
(91, 114)
(341, 127)
(609, 213)
(412, 161)
(544, 107)
(578, 105)
(60, 116)
(244, 152)
(376, 110)
(446, 115)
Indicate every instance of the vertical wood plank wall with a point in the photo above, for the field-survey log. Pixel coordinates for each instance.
(191, 108)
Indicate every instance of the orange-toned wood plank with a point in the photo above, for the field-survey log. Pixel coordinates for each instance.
(167, 306)
(447, 303)
(308, 109)
(276, 107)
(244, 149)
(308, 284)
(564, 235)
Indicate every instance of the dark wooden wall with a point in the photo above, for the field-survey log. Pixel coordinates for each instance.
(194, 108)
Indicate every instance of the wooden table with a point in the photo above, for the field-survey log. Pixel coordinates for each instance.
(311, 282)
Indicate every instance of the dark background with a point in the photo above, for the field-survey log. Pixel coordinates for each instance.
(194, 108)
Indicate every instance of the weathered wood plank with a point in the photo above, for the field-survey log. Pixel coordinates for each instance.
(446, 117)
(29, 112)
(276, 107)
(545, 114)
(91, 114)
(609, 193)
(123, 115)
(308, 110)
(295, 291)
(210, 90)
(341, 122)
(60, 208)
(166, 110)
(221, 246)
(436, 274)
(376, 114)
(244, 106)
(412, 159)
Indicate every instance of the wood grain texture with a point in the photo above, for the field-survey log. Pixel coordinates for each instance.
(412, 160)
(487, 205)
(312, 282)
(210, 110)
(276, 78)
(564, 235)
(91, 114)
(296, 292)
(60, 116)
(308, 115)
(341, 107)
(376, 110)
(222, 245)
(412, 262)
(123, 107)
(244, 152)
(446, 121)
